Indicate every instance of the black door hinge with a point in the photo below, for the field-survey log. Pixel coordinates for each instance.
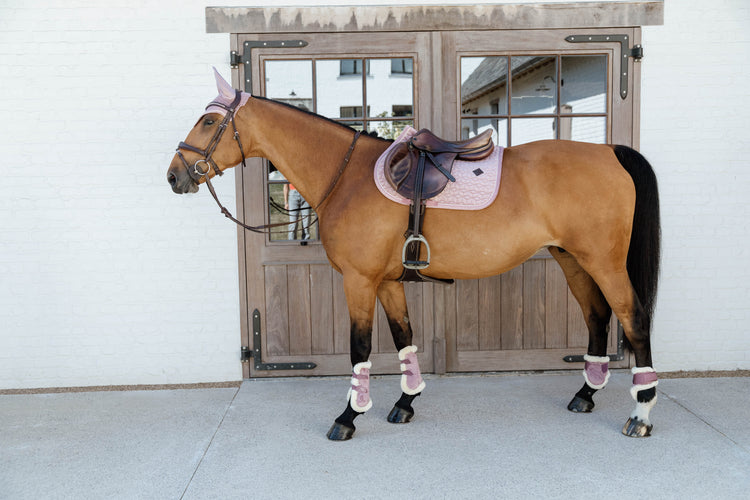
(626, 52)
(619, 356)
(255, 353)
(245, 58)
(235, 59)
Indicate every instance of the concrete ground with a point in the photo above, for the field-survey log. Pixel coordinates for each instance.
(478, 436)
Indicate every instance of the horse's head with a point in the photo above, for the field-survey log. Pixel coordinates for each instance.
(207, 150)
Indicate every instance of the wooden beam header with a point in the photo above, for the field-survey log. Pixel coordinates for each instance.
(374, 18)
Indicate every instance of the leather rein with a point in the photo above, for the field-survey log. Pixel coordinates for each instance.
(197, 173)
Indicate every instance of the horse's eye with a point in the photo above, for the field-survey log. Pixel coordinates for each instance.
(208, 122)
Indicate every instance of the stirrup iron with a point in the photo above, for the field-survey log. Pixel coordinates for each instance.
(415, 264)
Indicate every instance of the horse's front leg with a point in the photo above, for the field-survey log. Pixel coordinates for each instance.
(360, 297)
(393, 298)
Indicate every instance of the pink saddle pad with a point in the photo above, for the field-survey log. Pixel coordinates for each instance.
(476, 187)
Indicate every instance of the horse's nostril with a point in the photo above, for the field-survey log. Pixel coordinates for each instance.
(171, 179)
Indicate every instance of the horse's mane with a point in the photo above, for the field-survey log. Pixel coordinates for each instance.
(373, 134)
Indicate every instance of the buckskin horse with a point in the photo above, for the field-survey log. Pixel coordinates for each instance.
(594, 207)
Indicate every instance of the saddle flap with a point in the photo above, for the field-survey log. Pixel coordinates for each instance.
(401, 172)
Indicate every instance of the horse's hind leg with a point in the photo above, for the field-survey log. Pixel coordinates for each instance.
(360, 297)
(393, 298)
(596, 313)
(636, 323)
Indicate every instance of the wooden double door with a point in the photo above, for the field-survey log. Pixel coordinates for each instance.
(523, 85)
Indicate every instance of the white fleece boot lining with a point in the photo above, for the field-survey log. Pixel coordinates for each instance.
(404, 387)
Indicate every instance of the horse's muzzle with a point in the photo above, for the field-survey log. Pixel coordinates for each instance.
(179, 179)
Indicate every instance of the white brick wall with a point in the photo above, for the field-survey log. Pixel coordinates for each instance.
(694, 131)
(106, 277)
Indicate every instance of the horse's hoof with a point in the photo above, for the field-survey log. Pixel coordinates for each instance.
(400, 416)
(636, 428)
(340, 432)
(580, 405)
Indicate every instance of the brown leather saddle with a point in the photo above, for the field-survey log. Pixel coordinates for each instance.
(419, 169)
(402, 165)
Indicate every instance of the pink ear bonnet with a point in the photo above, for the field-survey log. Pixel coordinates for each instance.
(226, 96)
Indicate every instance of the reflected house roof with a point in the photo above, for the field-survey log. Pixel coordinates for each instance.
(492, 73)
(298, 102)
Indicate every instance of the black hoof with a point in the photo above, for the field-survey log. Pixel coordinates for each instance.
(580, 405)
(636, 428)
(400, 416)
(340, 432)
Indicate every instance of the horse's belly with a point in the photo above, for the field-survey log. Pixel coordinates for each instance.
(477, 247)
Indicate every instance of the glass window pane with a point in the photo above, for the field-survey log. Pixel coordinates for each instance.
(388, 129)
(275, 203)
(583, 88)
(390, 93)
(525, 130)
(484, 85)
(290, 82)
(356, 125)
(286, 205)
(339, 91)
(534, 85)
(473, 127)
(584, 129)
(402, 66)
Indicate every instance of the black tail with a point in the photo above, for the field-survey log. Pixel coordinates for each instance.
(645, 241)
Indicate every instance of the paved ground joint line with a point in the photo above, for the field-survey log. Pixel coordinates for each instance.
(210, 442)
(711, 426)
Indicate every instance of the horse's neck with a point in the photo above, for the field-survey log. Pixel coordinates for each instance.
(308, 150)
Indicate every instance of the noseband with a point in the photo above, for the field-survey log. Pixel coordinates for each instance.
(197, 173)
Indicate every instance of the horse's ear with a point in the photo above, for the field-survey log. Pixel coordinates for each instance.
(225, 88)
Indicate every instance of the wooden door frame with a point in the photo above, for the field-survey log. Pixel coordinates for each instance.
(255, 248)
(622, 128)
(265, 22)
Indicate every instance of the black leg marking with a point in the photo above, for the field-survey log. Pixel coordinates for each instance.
(646, 395)
(360, 342)
(343, 427)
(402, 336)
(583, 401)
(402, 411)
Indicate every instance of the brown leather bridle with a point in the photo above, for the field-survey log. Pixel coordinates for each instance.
(196, 173)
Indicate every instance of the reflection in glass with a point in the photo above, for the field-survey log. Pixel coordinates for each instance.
(525, 130)
(339, 95)
(299, 221)
(534, 85)
(352, 67)
(402, 66)
(388, 129)
(390, 93)
(484, 85)
(355, 125)
(290, 82)
(583, 87)
(584, 129)
(473, 127)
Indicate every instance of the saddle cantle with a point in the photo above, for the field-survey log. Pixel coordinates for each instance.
(402, 165)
